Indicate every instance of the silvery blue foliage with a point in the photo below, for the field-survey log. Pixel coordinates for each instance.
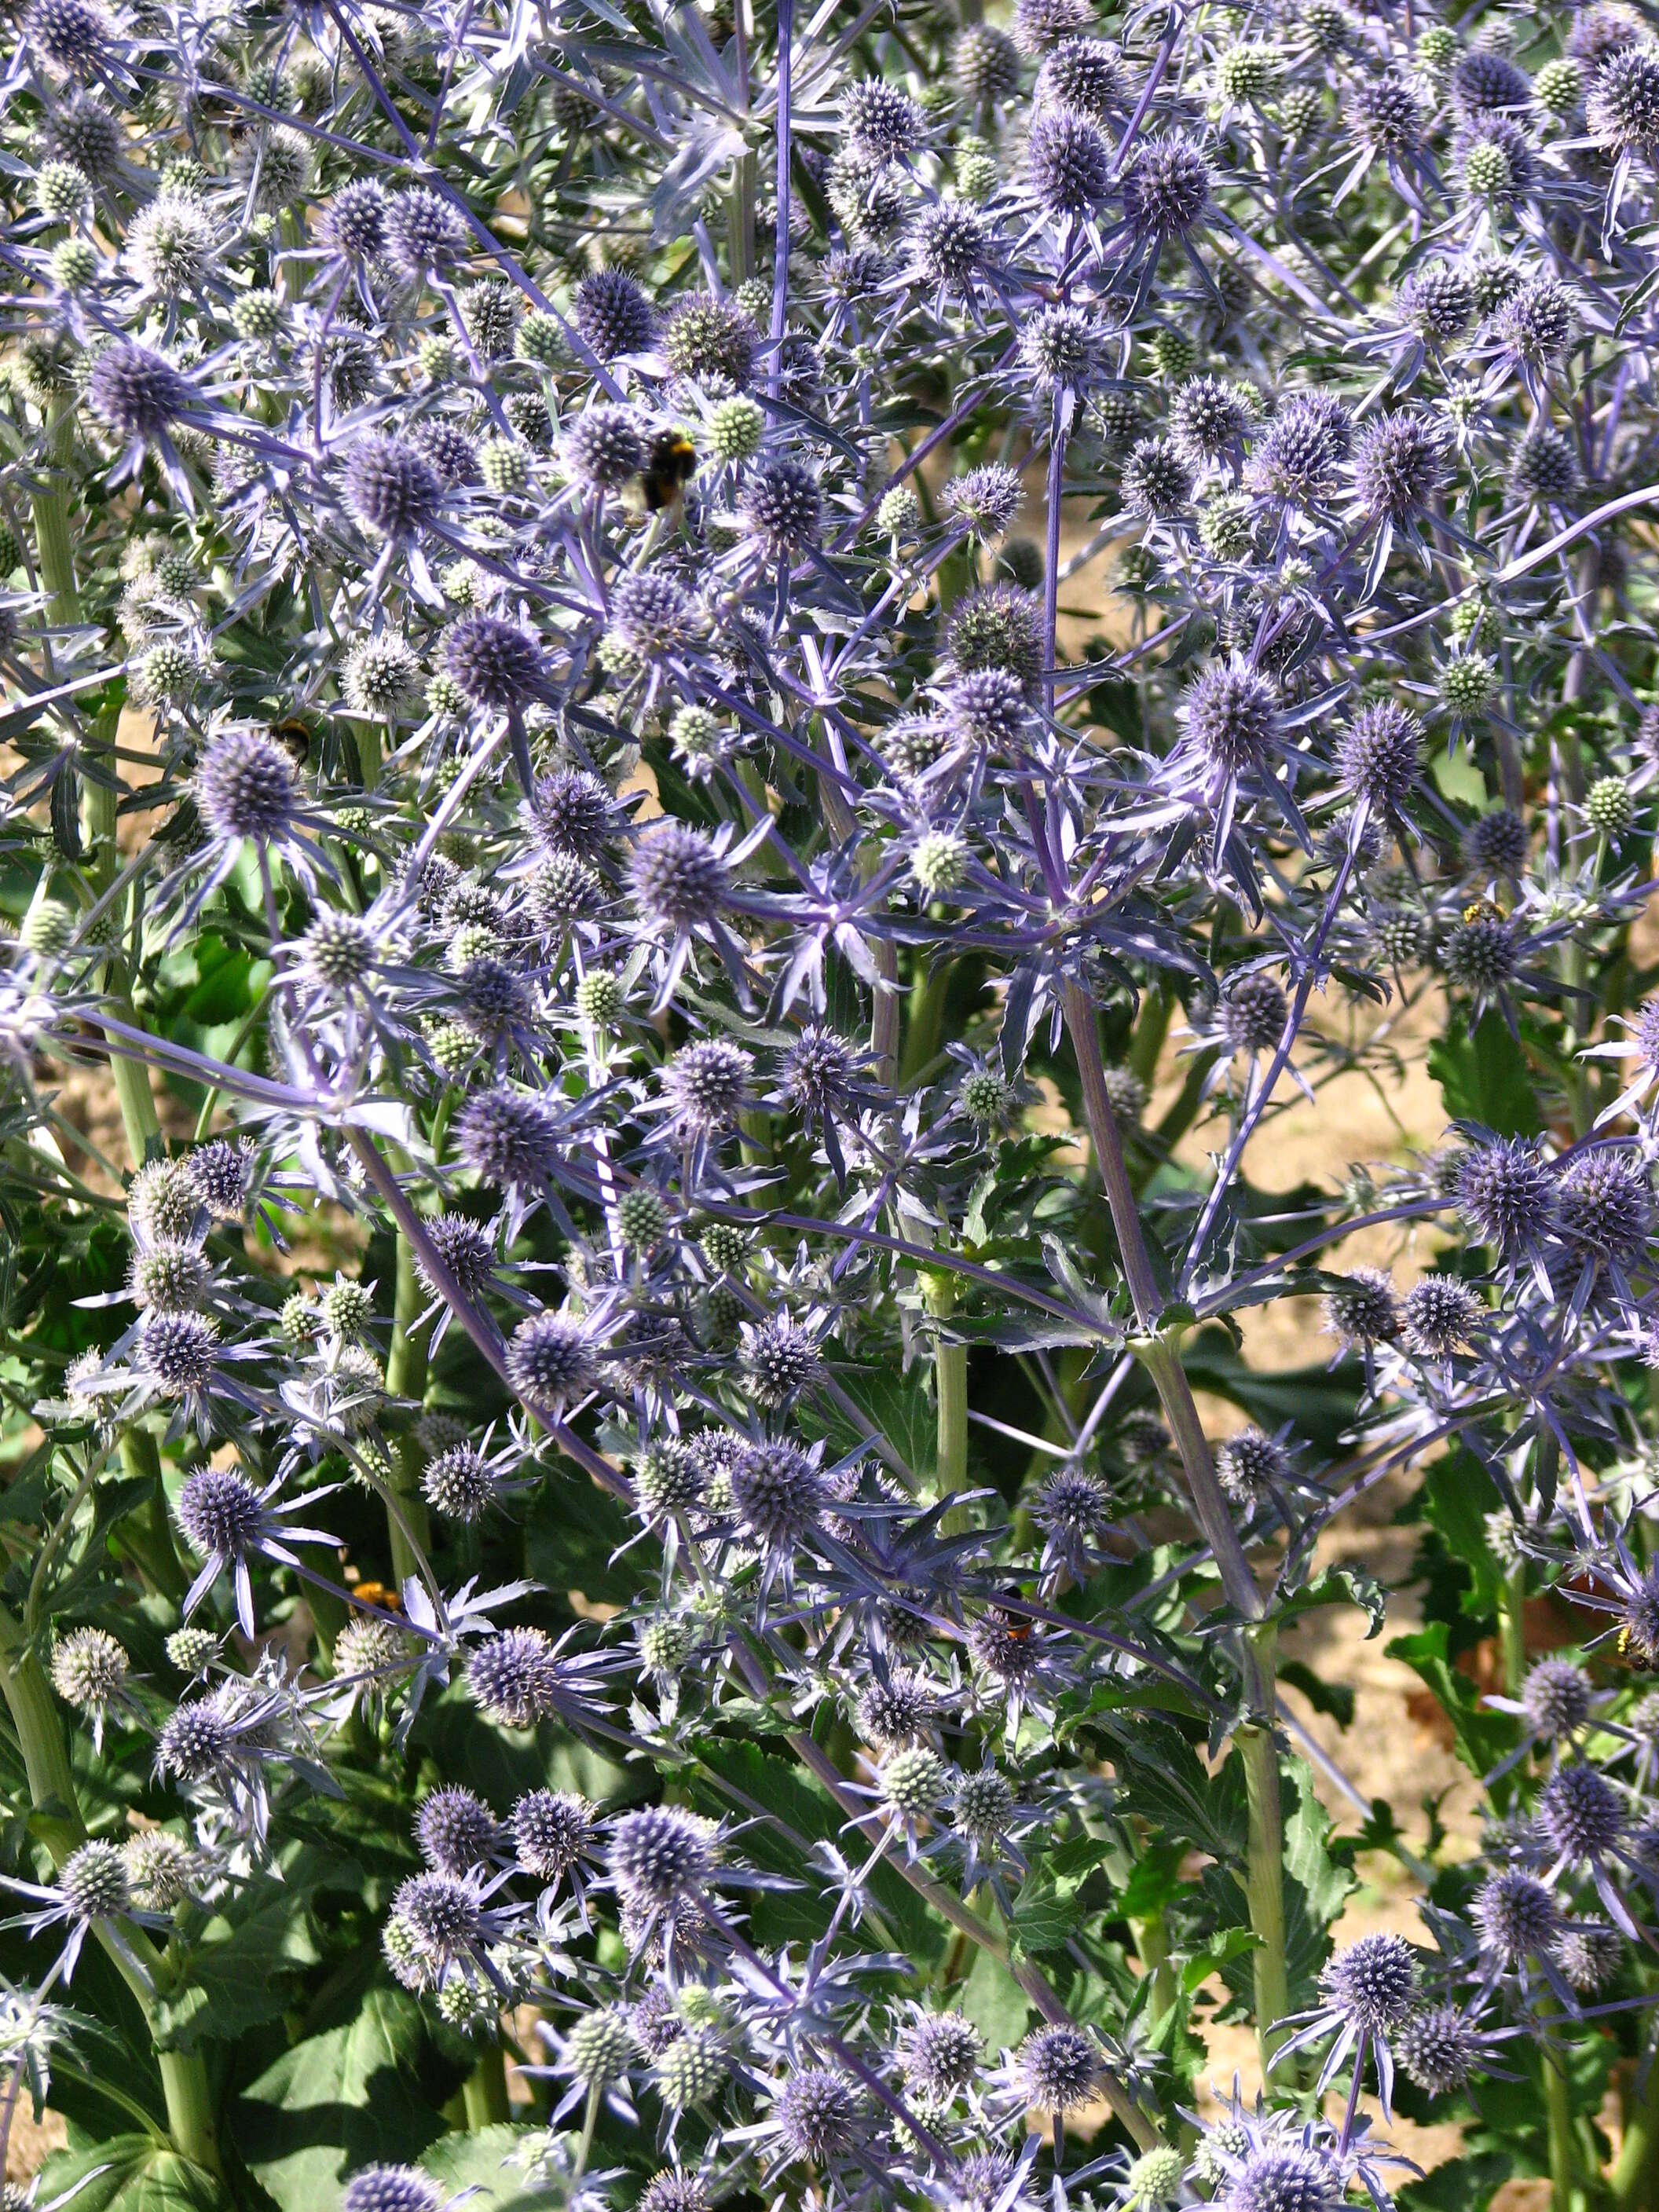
(645, 1568)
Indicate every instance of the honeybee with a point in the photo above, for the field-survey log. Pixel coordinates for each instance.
(1482, 910)
(659, 486)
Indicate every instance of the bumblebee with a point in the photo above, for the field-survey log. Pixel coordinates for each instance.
(1001, 1613)
(659, 486)
(378, 1593)
(295, 737)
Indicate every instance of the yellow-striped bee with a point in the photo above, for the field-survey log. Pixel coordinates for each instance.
(378, 1593)
(659, 486)
(1482, 910)
(295, 737)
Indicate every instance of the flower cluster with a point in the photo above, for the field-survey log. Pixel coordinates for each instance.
(632, 1072)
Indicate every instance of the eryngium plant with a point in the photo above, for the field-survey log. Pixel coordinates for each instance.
(692, 1643)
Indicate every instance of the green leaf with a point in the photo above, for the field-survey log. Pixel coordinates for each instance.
(501, 1764)
(792, 1798)
(225, 993)
(1483, 1078)
(1154, 1881)
(1231, 1945)
(1457, 1495)
(897, 1406)
(130, 2173)
(336, 2101)
(484, 2166)
(233, 1977)
(1460, 780)
(1336, 1699)
(1321, 1402)
(1339, 1586)
(1166, 1783)
(571, 1544)
(1323, 1880)
(1045, 1910)
(994, 2001)
(1459, 2185)
(1481, 1739)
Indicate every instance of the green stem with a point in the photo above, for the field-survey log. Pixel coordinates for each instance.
(1511, 1609)
(484, 2096)
(40, 1581)
(139, 1120)
(1146, 1045)
(1152, 1942)
(54, 549)
(950, 1387)
(1264, 1873)
(1159, 1351)
(51, 1791)
(405, 1377)
(1633, 2186)
(590, 2121)
(40, 1739)
(1565, 2194)
(924, 1023)
(1160, 1356)
(147, 1529)
(740, 218)
(191, 2113)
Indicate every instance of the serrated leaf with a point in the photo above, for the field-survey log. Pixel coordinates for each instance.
(483, 2166)
(1457, 1496)
(233, 1977)
(1232, 1944)
(897, 1406)
(1164, 1779)
(1456, 2187)
(336, 2101)
(573, 1544)
(1045, 1910)
(1334, 1699)
(1481, 1739)
(1483, 1078)
(994, 2001)
(1340, 1586)
(130, 2173)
